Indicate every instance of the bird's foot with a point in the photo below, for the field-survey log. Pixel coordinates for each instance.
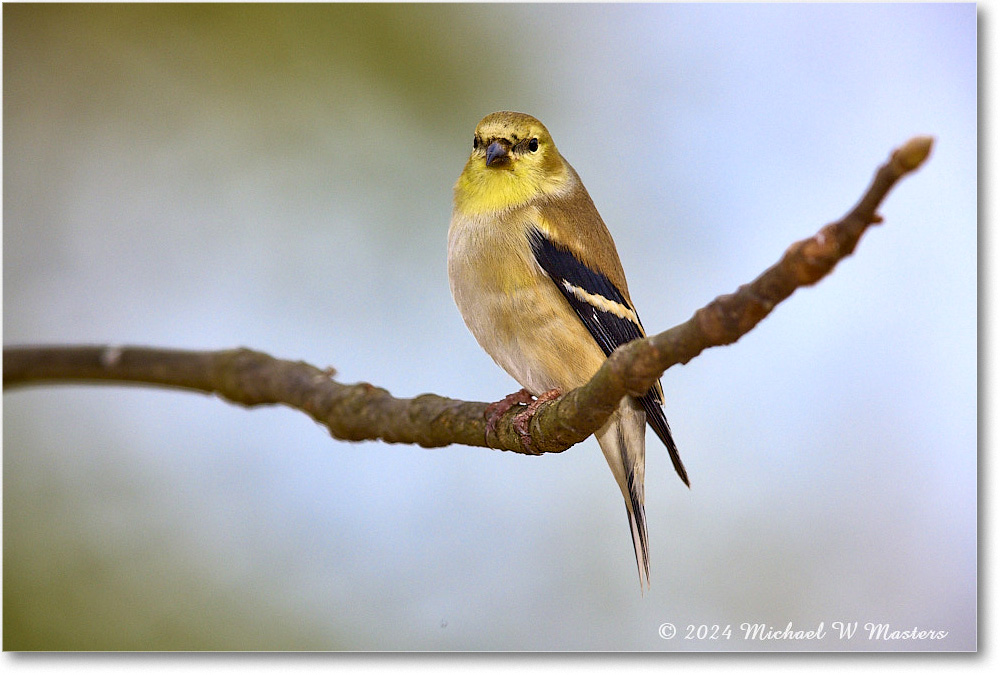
(523, 419)
(494, 411)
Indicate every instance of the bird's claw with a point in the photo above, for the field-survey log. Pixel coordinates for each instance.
(522, 420)
(494, 411)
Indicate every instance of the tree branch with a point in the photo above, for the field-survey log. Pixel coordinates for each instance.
(364, 412)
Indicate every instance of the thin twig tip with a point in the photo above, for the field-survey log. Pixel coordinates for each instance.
(913, 153)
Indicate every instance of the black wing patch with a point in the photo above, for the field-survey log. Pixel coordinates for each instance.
(568, 272)
(571, 276)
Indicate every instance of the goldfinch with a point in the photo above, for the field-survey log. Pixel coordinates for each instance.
(537, 279)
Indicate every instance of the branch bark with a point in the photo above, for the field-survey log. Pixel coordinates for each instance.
(362, 411)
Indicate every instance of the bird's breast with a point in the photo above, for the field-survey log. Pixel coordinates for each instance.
(513, 310)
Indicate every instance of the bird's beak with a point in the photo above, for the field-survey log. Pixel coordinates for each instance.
(496, 153)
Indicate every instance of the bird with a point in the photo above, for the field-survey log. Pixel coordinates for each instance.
(537, 279)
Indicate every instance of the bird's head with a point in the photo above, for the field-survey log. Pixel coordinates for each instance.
(513, 161)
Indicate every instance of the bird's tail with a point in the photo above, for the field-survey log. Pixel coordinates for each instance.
(623, 441)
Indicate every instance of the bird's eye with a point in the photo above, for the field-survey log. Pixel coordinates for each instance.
(475, 142)
(533, 145)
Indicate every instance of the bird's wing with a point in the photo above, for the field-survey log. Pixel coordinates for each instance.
(608, 316)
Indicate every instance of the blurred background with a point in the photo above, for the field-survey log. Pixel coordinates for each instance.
(280, 177)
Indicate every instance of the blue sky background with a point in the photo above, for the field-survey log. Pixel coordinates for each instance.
(280, 178)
